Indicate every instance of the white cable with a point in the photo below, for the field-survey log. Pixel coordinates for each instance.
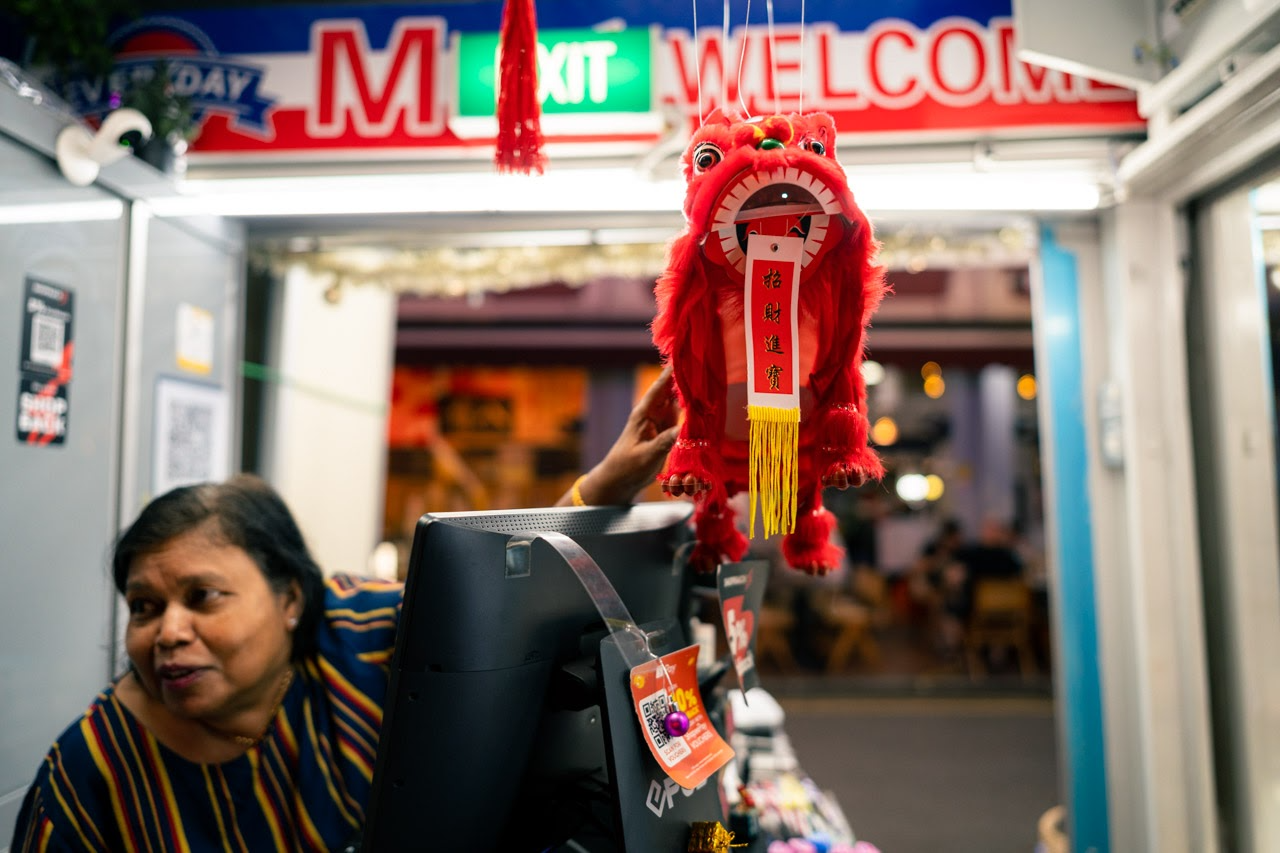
(800, 108)
(724, 57)
(742, 55)
(697, 61)
(773, 56)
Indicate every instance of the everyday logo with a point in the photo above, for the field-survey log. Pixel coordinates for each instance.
(196, 71)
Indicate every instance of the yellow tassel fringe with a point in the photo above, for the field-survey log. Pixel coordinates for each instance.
(773, 475)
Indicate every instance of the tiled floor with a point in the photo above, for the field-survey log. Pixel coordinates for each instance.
(931, 775)
(923, 753)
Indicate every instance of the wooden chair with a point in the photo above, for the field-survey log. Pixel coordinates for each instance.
(851, 622)
(773, 636)
(1001, 618)
(872, 589)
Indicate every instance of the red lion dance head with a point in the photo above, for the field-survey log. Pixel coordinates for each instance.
(762, 313)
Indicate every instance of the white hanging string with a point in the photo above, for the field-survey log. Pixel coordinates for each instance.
(724, 58)
(697, 60)
(742, 55)
(803, 51)
(773, 56)
(726, 52)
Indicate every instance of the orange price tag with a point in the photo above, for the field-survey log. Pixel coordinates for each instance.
(669, 684)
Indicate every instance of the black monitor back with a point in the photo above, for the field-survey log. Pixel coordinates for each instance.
(492, 705)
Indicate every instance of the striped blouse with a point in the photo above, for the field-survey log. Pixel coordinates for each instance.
(108, 785)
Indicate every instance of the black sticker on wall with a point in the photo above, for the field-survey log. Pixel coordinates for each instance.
(45, 362)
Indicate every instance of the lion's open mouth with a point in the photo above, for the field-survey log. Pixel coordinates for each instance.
(801, 202)
(778, 200)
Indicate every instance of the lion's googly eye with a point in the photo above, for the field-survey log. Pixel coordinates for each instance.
(814, 146)
(706, 156)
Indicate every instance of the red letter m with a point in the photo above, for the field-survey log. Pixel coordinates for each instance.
(347, 86)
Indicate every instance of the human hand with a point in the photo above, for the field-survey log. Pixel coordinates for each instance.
(639, 452)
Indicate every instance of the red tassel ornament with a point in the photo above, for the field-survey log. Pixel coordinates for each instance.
(519, 143)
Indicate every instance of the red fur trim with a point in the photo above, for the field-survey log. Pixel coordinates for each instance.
(698, 461)
(837, 427)
(719, 538)
(809, 548)
(687, 332)
(841, 437)
(840, 425)
(682, 256)
(867, 462)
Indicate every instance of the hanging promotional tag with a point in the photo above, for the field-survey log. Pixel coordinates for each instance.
(741, 587)
(664, 689)
(674, 720)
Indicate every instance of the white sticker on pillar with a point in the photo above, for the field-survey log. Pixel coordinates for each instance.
(193, 336)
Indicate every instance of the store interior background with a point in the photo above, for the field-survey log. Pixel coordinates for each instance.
(516, 361)
(517, 355)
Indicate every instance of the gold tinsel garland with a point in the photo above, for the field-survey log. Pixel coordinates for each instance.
(459, 272)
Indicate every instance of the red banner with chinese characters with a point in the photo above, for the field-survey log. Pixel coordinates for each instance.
(772, 324)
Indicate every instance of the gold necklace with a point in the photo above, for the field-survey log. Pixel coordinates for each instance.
(245, 740)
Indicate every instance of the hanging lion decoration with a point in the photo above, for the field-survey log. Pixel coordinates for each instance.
(762, 313)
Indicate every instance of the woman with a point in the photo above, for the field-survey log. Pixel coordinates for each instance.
(248, 718)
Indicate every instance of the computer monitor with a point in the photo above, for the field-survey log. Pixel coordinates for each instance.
(492, 735)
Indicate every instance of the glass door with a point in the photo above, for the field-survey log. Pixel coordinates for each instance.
(1233, 304)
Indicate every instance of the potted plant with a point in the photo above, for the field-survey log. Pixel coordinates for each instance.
(69, 39)
(173, 118)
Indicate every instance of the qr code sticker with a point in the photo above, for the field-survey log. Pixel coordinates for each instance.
(48, 336)
(190, 442)
(654, 709)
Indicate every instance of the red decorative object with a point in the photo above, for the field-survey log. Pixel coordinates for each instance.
(519, 143)
(762, 312)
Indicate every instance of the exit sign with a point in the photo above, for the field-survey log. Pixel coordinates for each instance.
(579, 72)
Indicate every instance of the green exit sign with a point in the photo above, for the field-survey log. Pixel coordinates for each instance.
(579, 71)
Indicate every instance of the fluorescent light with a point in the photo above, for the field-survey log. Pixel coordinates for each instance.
(582, 190)
(61, 211)
(628, 236)
(1266, 198)
(575, 190)
(933, 190)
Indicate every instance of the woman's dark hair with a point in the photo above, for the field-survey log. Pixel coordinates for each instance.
(244, 512)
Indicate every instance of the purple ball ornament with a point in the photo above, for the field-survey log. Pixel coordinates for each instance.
(676, 723)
